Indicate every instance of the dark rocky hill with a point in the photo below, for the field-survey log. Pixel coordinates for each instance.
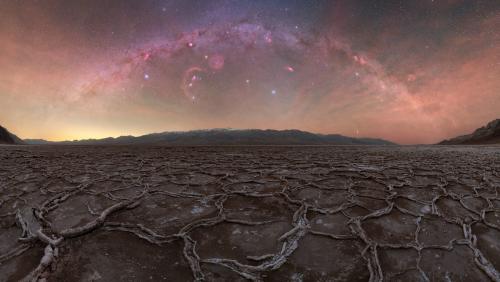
(489, 134)
(8, 138)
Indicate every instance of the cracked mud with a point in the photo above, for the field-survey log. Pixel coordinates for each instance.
(249, 213)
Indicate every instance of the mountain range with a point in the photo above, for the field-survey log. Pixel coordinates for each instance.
(225, 137)
(8, 138)
(489, 134)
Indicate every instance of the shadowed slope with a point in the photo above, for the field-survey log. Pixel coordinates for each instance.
(8, 138)
(489, 134)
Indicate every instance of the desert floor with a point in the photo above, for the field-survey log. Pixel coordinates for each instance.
(336, 213)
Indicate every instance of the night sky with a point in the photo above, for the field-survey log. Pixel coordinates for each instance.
(407, 71)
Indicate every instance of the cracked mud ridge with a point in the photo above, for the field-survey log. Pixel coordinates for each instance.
(249, 213)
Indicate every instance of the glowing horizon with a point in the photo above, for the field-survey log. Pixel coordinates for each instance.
(414, 72)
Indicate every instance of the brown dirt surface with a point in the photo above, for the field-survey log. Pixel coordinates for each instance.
(263, 213)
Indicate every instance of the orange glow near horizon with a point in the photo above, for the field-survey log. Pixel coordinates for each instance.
(414, 74)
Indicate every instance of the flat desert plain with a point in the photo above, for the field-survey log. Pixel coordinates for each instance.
(269, 213)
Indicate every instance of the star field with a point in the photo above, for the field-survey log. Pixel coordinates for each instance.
(408, 71)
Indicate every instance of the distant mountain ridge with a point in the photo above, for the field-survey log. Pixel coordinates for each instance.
(226, 137)
(489, 134)
(8, 138)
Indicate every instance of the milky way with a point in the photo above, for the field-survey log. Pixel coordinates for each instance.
(408, 71)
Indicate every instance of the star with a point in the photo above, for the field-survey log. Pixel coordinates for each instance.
(146, 76)
(273, 92)
(268, 38)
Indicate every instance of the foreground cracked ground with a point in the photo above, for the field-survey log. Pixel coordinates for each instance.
(249, 213)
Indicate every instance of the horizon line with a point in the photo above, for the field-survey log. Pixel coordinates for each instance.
(212, 129)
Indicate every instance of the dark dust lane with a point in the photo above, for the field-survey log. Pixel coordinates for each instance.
(249, 213)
